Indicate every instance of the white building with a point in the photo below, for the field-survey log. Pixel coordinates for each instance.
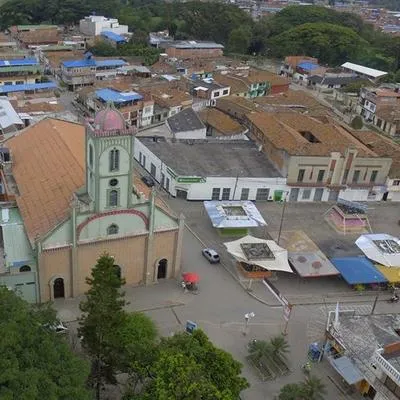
(95, 24)
(210, 170)
(186, 124)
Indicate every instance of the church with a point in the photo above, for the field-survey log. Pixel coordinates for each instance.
(69, 194)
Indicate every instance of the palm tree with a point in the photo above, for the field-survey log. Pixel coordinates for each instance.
(259, 349)
(280, 347)
(291, 391)
(314, 388)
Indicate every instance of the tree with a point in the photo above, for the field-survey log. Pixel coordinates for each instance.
(357, 122)
(191, 367)
(259, 349)
(291, 391)
(313, 388)
(102, 317)
(239, 40)
(36, 363)
(279, 347)
(137, 341)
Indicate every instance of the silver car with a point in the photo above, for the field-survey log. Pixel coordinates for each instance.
(211, 255)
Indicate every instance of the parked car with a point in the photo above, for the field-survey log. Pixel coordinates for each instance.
(148, 181)
(211, 255)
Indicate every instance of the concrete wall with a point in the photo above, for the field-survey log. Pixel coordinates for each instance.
(194, 134)
(194, 53)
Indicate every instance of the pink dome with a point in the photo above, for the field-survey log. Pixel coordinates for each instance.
(108, 120)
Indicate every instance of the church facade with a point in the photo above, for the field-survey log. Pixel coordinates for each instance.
(84, 200)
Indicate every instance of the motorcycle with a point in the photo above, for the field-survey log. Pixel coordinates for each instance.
(394, 299)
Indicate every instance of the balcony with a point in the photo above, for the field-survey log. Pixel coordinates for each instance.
(386, 366)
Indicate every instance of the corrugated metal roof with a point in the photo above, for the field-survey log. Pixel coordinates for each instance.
(16, 244)
(27, 86)
(8, 116)
(191, 44)
(90, 62)
(18, 62)
(307, 66)
(113, 36)
(358, 270)
(117, 97)
(373, 73)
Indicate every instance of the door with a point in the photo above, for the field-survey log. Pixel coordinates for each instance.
(318, 194)
(294, 194)
(385, 196)
(162, 269)
(58, 288)
(333, 195)
(153, 170)
(181, 194)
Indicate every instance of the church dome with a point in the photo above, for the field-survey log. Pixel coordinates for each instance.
(109, 120)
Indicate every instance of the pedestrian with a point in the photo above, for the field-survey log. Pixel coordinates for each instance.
(184, 286)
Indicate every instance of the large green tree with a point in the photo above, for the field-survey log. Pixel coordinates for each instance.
(331, 44)
(36, 363)
(102, 317)
(191, 367)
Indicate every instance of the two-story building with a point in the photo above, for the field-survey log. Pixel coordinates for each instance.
(19, 71)
(84, 72)
(364, 351)
(253, 83)
(322, 161)
(381, 107)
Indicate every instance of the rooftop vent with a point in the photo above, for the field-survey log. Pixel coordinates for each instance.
(309, 136)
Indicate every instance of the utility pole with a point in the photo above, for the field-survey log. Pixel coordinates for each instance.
(282, 216)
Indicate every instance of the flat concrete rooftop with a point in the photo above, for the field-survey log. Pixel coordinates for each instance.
(213, 158)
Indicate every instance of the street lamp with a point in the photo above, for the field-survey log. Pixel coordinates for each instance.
(247, 318)
(285, 193)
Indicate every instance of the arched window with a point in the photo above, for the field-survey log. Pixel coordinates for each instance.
(114, 160)
(113, 198)
(25, 268)
(112, 229)
(90, 155)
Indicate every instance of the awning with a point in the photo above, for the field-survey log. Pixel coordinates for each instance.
(346, 369)
(358, 270)
(276, 261)
(392, 274)
(191, 277)
(381, 248)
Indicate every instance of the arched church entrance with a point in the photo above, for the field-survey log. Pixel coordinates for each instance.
(162, 268)
(58, 288)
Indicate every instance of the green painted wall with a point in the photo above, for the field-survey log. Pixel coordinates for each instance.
(60, 236)
(162, 220)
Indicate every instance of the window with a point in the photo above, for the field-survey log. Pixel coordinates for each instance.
(262, 194)
(112, 229)
(245, 194)
(25, 268)
(321, 174)
(113, 198)
(345, 176)
(90, 155)
(153, 169)
(113, 182)
(306, 194)
(374, 174)
(167, 184)
(356, 176)
(225, 91)
(216, 94)
(226, 193)
(114, 160)
(300, 176)
(215, 193)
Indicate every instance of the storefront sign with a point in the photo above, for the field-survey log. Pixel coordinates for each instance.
(190, 179)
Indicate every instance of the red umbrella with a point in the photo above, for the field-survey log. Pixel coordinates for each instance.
(191, 277)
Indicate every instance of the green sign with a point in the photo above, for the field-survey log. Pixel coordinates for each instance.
(190, 179)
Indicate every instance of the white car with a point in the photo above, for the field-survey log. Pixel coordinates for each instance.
(57, 327)
(211, 255)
